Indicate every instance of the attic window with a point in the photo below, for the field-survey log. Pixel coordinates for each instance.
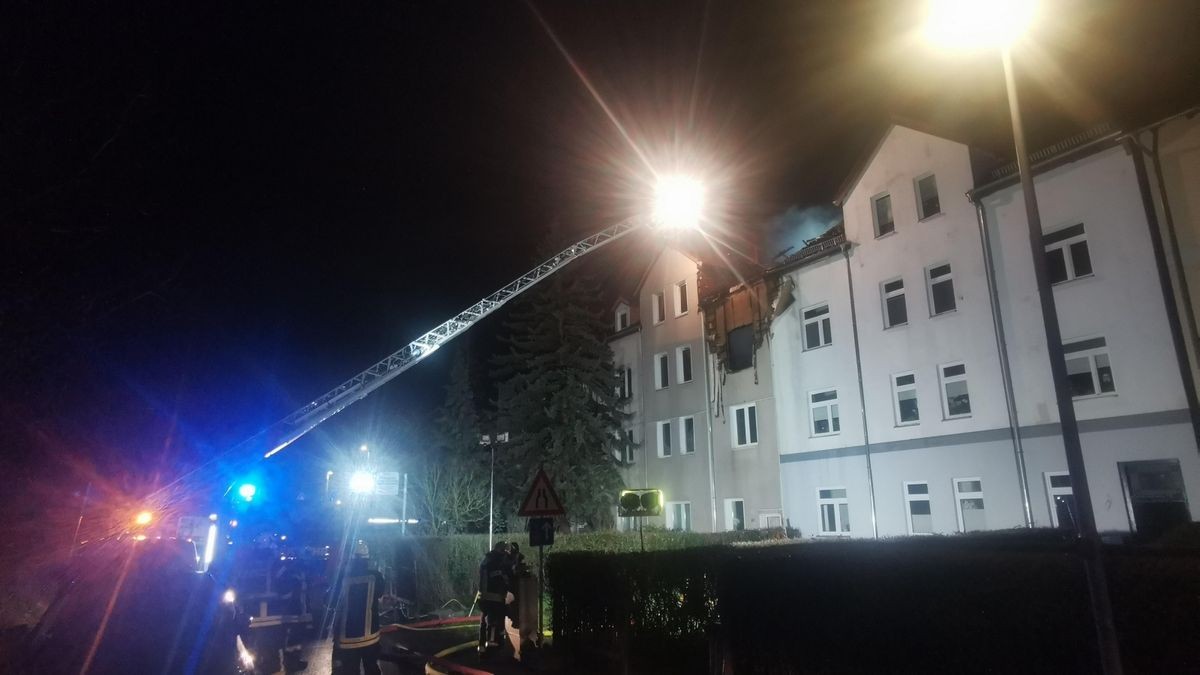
(741, 348)
(622, 317)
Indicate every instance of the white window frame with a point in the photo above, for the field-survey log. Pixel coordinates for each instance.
(840, 528)
(830, 404)
(948, 277)
(943, 381)
(729, 513)
(875, 213)
(896, 390)
(1090, 353)
(683, 439)
(1052, 492)
(662, 380)
(824, 324)
(622, 311)
(627, 451)
(1065, 246)
(960, 496)
(751, 430)
(682, 301)
(658, 307)
(665, 447)
(679, 363)
(671, 524)
(910, 498)
(921, 215)
(884, 294)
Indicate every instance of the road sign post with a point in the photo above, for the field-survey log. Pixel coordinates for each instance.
(540, 505)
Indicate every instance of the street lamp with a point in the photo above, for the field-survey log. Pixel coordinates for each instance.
(678, 202)
(486, 439)
(998, 24)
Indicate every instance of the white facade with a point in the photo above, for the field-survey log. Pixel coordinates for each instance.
(949, 462)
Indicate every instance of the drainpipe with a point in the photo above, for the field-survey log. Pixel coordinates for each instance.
(862, 396)
(708, 417)
(1010, 401)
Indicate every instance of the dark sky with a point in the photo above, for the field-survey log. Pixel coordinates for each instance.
(213, 212)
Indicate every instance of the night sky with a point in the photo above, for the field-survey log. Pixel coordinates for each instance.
(214, 212)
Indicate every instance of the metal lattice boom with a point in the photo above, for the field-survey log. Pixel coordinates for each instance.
(294, 426)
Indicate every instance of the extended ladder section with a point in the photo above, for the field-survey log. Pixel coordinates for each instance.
(291, 428)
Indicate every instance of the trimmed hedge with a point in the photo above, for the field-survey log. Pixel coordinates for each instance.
(433, 570)
(996, 602)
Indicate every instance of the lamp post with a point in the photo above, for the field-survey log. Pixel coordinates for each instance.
(486, 439)
(998, 24)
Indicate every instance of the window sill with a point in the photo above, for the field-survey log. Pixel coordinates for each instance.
(898, 325)
(813, 349)
(685, 382)
(1068, 282)
(838, 535)
(949, 312)
(747, 446)
(885, 235)
(951, 418)
(902, 425)
(1103, 394)
(681, 314)
(832, 433)
(933, 216)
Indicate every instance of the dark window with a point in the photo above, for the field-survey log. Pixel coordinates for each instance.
(1067, 254)
(689, 435)
(895, 310)
(683, 299)
(741, 348)
(1056, 266)
(884, 223)
(664, 377)
(816, 327)
(685, 363)
(1081, 259)
(941, 289)
(927, 197)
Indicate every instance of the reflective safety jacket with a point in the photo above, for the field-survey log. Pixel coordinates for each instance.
(494, 577)
(358, 615)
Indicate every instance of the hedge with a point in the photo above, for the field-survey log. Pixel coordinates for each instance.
(999, 602)
(433, 570)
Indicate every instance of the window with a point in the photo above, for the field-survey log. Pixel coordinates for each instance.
(835, 511)
(679, 516)
(625, 383)
(881, 210)
(681, 298)
(687, 426)
(895, 312)
(662, 376)
(1088, 369)
(664, 438)
(627, 449)
(1062, 499)
(928, 203)
(741, 348)
(745, 425)
(968, 501)
(920, 516)
(823, 411)
(735, 515)
(622, 317)
(1067, 255)
(956, 401)
(683, 364)
(941, 289)
(904, 398)
(659, 307)
(816, 327)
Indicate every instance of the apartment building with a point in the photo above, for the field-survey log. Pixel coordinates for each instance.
(908, 356)
(715, 474)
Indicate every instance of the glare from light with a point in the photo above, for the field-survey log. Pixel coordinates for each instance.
(247, 491)
(140, 537)
(233, 523)
(229, 597)
(978, 24)
(383, 521)
(363, 447)
(212, 517)
(143, 518)
(362, 482)
(678, 202)
(210, 545)
(244, 655)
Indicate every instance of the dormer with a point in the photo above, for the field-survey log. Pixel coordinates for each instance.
(621, 316)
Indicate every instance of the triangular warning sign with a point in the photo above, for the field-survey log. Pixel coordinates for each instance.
(542, 500)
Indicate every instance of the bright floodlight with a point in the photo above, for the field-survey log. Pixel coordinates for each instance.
(143, 518)
(678, 202)
(972, 24)
(247, 491)
(362, 482)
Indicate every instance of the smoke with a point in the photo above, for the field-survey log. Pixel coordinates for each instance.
(786, 233)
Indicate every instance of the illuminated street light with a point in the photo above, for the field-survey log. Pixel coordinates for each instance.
(978, 24)
(997, 24)
(362, 482)
(678, 202)
(247, 491)
(143, 518)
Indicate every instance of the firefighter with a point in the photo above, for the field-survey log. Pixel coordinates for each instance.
(495, 582)
(356, 641)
